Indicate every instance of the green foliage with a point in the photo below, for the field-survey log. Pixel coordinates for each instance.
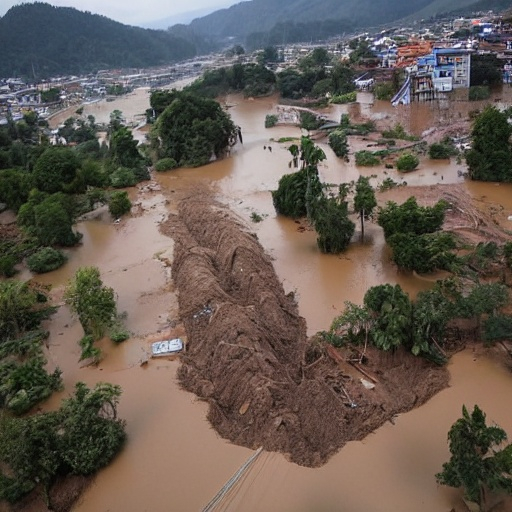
(24, 384)
(407, 162)
(497, 328)
(333, 227)
(364, 200)
(7, 265)
(80, 438)
(166, 164)
(490, 157)
(441, 151)
(271, 120)
(14, 188)
(349, 97)
(123, 177)
(91, 301)
(49, 219)
(391, 309)
(309, 121)
(46, 259)
(93, 42)
(119, 335)
(479, 460)
(339, 143)
(119, 203)
(366, 158)
(88, 350)
(384, 91)
(398, 132)
(411, 218)
(191, 129)
(423, 253)
(56, 170)
(479, 92)
(21, 309)
(290, 197)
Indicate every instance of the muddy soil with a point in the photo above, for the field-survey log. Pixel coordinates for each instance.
(249, 357)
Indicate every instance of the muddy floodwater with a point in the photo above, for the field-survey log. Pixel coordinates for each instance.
(174, 460)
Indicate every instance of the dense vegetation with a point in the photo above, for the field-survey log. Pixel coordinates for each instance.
(190, 129)
(490, 157)
(78, 42)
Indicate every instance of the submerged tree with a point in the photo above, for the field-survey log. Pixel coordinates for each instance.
(91, 301)
(479, 461)
(364, 200)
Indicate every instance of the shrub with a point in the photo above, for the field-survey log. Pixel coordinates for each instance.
(407, 162)
(349, 97)
(384, 91)
(270, 120)
(309, 121)
(7, 263)
(123, 177)
(166, 164)
(338, 143)
(398, 132)
(119, 203)
(479, 92)
(46, 260)
(119, 335)
(440, 151)
(366, 159)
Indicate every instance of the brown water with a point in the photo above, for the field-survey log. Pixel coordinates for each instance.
(173, 460)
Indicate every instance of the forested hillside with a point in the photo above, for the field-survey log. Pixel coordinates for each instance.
(264, 22)
(39, 40)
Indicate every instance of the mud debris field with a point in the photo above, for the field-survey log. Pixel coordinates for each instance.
(249, 357)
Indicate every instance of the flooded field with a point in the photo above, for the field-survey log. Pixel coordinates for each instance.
(173, 459)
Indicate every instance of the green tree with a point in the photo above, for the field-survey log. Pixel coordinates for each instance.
(391, 310)
(409, 217)
(192, 129)
(21, 309)
(407, 162)
(91, 301)
(119, 203)
(339, 143)
(334, 228)
(90, 432)
(480, 462)
(364, 200)
(490, 157)
(56, 169)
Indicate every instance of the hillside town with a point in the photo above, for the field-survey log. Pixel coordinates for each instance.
(436, 57)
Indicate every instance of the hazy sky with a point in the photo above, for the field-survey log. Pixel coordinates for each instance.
(130, 12)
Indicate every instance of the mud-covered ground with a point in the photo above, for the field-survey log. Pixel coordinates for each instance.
(248, 354)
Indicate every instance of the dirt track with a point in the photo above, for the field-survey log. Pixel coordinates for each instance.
(249, 357)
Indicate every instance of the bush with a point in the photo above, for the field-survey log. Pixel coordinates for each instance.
(166, 164)
(349, 97)
(46, 260)
(440, 151)
(309, 121)
(119, 335)
(270, 120)
(384, 91)
(479, 92)
(366, 159)
(338, 143)
(398, 132)
(407, 162)
(123, 177)
(119, 203)
(7, 263)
